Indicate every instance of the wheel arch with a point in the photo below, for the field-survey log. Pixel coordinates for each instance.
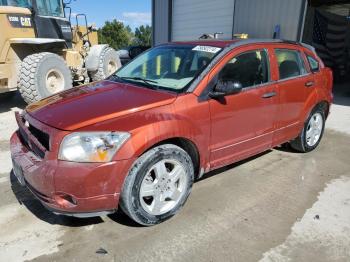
(325, 105)
(26, 48)
(313, 101)
(183, 142)
(187, 145)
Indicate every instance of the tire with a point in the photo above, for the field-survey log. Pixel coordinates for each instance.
(109, 62)
(302, 143)
(138, 208)
(38, 73)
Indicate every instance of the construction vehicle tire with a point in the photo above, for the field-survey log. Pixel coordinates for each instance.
(42, 75)
(108, 63)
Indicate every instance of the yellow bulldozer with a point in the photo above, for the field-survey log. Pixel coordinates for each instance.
(42, 53)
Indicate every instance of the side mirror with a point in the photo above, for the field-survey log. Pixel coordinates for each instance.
(224, 88)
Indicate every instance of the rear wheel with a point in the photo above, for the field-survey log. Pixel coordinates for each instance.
(312, 133)
(42, 75)
(108, 63)
(157, 185)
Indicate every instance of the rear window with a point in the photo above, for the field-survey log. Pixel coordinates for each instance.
(290, 63)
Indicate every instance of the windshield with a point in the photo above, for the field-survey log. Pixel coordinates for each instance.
(44, 7)
(50, 8)
(17, 3)
(168, 67)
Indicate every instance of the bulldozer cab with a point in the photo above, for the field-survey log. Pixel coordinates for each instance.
(48, 17)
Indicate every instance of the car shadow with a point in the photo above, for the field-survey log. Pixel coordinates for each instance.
(286, 148)
(11, 100)
(26, 198)
(121, 218)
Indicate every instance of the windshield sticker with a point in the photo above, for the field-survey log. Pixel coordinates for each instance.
(208, 49)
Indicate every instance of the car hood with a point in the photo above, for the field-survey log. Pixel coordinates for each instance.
(86, 105)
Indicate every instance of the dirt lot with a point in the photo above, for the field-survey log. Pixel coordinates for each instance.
(279, 206)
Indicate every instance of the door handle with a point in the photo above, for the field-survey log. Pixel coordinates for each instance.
(309, 84)
(269, 95)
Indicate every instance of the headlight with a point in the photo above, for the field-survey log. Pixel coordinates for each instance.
(91, 146)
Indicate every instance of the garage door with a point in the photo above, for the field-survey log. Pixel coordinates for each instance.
(193, 18)
(258, 18)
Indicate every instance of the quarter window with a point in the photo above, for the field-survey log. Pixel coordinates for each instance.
(250, 69)
(314, 65)
(290, 63)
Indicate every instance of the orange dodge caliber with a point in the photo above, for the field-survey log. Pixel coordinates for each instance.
(139, 139)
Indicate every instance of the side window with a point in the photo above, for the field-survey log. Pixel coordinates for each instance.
(250, 69)
(314, 65)
(290, 63)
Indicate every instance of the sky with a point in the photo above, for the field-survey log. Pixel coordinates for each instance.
(131, 12)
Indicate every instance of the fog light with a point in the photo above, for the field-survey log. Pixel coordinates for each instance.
(65, 200)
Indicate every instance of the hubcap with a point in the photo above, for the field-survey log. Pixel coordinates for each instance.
(54, 81)
(314, 129)
(163, 187)
(112, 67)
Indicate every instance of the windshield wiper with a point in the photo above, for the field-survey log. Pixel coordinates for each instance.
(146, 81)
(114, 78)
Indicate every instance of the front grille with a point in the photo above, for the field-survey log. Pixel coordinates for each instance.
(32, 138)
(42, 137)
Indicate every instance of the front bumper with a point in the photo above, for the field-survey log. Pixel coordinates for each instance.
(74, 189)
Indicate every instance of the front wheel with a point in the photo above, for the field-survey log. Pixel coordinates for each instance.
(312, 133)
(158, 185)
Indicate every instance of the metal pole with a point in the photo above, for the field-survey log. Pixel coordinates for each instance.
(233, 21)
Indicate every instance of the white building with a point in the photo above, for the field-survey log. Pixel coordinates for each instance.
(322, 23)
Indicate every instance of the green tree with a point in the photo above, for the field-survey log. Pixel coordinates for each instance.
(143, 35)
(116, 34)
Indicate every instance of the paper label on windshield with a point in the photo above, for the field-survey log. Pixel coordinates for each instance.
(208, 49)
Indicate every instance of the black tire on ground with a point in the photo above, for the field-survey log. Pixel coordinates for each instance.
(34, 71)
(130, 199)
(108, 63)
(300, 143)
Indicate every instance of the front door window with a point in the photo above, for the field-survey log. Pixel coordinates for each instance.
(250, 69)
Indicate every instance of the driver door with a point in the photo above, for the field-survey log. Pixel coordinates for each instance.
(242, 124)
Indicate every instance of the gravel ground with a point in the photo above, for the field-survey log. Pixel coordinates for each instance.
(278, 206)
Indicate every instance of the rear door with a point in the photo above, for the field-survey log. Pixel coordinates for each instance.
(242, 124)
(295, 84)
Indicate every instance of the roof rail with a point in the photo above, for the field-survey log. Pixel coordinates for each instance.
(257, 41)
(310, 47)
